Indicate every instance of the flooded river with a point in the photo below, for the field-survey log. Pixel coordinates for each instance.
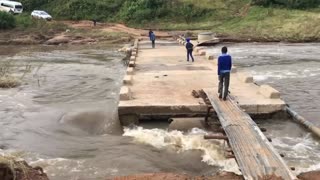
(64, 115)
(294, 70)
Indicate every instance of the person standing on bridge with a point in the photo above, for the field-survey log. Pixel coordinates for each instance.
(189, 47)
(224, 69)
(152, 37)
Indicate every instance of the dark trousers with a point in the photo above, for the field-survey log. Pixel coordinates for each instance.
(189, 53)
(224, 80)
(153, 44)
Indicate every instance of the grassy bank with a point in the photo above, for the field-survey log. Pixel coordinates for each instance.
(274, 24)
(265, 24)
(242, 20)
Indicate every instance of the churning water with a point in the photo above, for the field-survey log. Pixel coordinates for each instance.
(294, 70)
(63, 117)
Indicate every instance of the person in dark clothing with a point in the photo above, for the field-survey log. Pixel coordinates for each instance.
(224, 69)
(94, 22)
(189, 47)
(150, 31)
(153, 39)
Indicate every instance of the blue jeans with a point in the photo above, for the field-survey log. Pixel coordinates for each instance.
(189, 53)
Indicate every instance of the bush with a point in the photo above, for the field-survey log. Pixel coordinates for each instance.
(298, 4)
(24, 21)
(141, 10)
(30, 5)
(135, 11)
(39, 25)
(189, 12)
(6, 78)
(85, 9)
(7, 21)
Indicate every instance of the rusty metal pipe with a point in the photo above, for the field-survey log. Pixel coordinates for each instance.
(230, 156)
(216, 136)
(313, 128)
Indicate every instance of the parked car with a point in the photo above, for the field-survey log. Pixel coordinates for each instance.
(11, 7)
(41, 15)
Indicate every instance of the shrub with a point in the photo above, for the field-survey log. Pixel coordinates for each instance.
(141, 10)
(85, 9)
(135, 11)
(24, 21)
(7, 80)
(189, 12)
(7, 21)
(30, 5)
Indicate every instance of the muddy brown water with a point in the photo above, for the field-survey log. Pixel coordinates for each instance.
(63, 117)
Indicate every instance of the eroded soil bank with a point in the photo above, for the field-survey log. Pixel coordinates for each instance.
(83, 32)
(20, 170)
(75, 33)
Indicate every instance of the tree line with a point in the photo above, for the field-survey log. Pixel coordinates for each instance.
(138, 11)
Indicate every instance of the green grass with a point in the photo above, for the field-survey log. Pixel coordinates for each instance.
(7, 20)
(25, 21)
(243, 21)
(274, 24)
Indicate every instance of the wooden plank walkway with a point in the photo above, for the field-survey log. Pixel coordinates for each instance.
(255, 155)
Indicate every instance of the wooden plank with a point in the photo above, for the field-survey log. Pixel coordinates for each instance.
(255, 155)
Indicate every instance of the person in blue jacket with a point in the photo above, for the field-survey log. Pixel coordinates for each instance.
(189, 47)
(224, 70)
(152, 37)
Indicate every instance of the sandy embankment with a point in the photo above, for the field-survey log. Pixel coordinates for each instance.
(79, 32)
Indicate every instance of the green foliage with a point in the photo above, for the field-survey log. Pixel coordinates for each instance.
(24, 21)
(143, 10)
(30, 5)
(190, 12)
(7, 20)
(132, 11)
(298, 4)
(85, 9)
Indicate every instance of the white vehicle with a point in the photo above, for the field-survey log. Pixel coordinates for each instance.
(41, 15)
(12, 7)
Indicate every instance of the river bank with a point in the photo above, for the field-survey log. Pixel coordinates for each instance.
(11, 169)
(83, 32)
(58, 33)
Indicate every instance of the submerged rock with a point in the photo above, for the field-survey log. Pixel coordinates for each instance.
(312, 175)
(58, 40)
